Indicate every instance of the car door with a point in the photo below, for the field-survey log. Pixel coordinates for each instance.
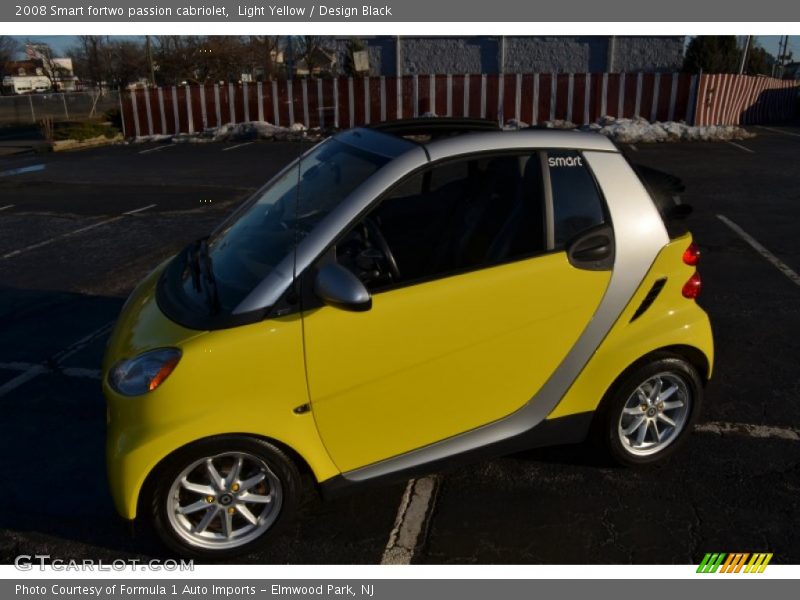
(485, 306)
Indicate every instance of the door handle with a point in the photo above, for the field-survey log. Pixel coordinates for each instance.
(593, 250)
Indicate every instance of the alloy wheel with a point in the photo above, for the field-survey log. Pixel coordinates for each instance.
(655, 414)
(224, 501)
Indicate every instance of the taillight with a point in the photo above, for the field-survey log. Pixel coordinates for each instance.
(691, 289)
(691, 255)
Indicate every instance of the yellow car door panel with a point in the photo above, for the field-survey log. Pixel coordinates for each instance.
(432, 360)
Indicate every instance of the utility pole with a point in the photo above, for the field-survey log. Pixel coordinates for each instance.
(612, 54)
(744, 54)
(783, 55)
(398, 56)
(777, 67)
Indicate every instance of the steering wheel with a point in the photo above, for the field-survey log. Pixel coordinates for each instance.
(376, 236)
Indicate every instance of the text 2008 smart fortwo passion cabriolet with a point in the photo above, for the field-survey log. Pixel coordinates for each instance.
(397, 298)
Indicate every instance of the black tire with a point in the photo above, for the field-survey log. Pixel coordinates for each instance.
(281, 481)
(610, 426)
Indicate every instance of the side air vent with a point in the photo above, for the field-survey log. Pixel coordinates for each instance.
(650, 298)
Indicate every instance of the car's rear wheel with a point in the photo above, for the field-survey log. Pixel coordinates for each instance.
(651, 411)
(222, 497)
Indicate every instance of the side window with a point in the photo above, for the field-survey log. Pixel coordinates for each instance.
(457, 216)
(577, 204)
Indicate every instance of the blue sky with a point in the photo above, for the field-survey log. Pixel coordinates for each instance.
(60, 43)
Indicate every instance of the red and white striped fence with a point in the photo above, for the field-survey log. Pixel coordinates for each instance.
(531, 97)
(745, 100)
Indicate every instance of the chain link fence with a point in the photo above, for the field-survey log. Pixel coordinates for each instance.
(73, 106)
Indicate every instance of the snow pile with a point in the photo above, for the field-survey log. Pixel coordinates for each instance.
(640, 130)
(263, 130)
(512, 124)
(559, 124)
(238, 132)
(630, 131)
(625, 131)
(157, 137)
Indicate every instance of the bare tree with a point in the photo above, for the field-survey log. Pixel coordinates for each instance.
(88, 59)
(8, 49)
(262, 56)
(51, 68)
(176, 58)
(125, 61)
(310, 52)
(207, 59)
(108, 62)
(221, 58)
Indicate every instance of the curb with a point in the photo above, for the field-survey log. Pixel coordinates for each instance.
(94, 142)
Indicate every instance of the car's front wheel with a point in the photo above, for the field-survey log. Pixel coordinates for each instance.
(651, 411)
(222, 496)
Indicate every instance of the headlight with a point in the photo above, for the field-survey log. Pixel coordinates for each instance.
(144, 373)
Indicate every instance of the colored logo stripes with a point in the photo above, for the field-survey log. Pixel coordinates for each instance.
(734, 562)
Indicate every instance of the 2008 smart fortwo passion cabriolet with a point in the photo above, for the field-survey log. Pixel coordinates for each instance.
(400, 297)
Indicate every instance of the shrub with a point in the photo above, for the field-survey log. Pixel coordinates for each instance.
(83, 130)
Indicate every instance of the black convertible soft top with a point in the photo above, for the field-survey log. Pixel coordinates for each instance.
(666, 190)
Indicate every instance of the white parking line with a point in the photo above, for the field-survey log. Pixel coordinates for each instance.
(7, 206)
(740, 147)
(138, 210)
(633, 147)
(780, 131)
(16, 366)
(47, 242)
(756, 431)
(419, 496)
(23, 377)
(22, 170)
(79, 372)
(32, 370)
(777, 262)
(412, 517)
(157, 148)
(237, 146)
(81, 343)
(82, 373)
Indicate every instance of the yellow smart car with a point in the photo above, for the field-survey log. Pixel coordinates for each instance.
(398, 298)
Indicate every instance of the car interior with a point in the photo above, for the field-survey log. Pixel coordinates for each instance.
(454, 217)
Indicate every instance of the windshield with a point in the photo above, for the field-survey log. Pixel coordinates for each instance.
(224, 269)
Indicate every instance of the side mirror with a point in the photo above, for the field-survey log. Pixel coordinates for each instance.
(338, 287)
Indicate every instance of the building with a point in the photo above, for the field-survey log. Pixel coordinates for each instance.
(37, 75)
(25, 84)
(409, 55)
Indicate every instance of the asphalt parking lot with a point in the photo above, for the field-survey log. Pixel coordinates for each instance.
(78, 230)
